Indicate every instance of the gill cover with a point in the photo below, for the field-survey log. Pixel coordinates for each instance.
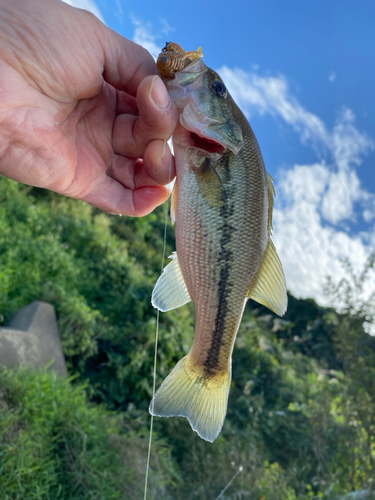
(207, 108)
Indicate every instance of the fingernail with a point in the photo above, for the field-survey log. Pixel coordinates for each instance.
(159, 93)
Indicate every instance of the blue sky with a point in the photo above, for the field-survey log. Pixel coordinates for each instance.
(304, 74)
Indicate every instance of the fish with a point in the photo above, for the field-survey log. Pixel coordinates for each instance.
(222, 204)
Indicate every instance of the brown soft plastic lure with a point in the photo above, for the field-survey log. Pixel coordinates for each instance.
(173, 58)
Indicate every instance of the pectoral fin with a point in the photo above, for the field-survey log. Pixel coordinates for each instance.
(210, 184)
(170, 290)
(268, 287)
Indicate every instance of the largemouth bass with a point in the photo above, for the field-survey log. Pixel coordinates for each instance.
(222, 204)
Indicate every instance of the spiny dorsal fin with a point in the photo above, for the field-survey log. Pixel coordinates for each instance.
(271, 201)
(269, 288)
(170, 290)
(174, 202)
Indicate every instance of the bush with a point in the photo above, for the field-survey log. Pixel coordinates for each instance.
(55, 445)
(301, 414)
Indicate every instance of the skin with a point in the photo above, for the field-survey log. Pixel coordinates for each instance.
(82, 110)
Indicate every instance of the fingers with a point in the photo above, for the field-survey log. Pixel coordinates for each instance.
(135, 187)
(110, 196)
(132, 187)
(157, 119)
(126, 104)
(157, 167)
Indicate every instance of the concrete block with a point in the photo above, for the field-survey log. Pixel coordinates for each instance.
(32, 339)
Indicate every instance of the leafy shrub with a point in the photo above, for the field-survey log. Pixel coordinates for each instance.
(55, 445)
(301, 414)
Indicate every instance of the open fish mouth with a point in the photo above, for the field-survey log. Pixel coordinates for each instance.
(208, 145)
(198, 140)
(203, 132)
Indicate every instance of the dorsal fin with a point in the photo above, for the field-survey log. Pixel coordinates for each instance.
(271, 201)
(268, 287)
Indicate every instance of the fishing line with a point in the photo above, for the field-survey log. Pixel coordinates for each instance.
(157, 334)
(240, 469)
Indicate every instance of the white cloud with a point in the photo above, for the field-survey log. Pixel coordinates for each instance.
(347, 144)
(332, 76)
(312, 199)
(369, 215)
(120, 10)
(143, 36)
(261, 95)
(344, 146)
(86, 5)
(165, 27)
(315, 200)
(309, 249)
(343, 190)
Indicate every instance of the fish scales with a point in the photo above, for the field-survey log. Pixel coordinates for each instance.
(222, 204)
(220, 298)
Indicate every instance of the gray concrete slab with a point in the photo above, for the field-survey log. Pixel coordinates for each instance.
(32, 338)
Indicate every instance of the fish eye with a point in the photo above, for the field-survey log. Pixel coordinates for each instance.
(164, 59)
(219, 89)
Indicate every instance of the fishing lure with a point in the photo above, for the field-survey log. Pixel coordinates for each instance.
(173, 58)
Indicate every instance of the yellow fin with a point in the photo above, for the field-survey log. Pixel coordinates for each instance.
(170, 290)
(174, 202)
(268, 287)
(271, 201)
(203, 401)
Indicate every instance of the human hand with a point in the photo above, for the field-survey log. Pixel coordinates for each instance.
(81, 110)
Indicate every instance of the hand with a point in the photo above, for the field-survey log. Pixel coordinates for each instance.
(82, 111)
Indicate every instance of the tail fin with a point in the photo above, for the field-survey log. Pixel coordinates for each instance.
(202, 400)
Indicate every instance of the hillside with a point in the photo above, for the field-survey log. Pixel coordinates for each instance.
(301, 412)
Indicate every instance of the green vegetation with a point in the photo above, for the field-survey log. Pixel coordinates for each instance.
(301, 414)
(56, 446)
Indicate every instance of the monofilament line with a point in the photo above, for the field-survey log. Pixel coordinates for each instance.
(156, 344)
(240, 469)
(153, 393)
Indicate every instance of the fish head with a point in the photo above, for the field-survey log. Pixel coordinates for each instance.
(209, 118)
